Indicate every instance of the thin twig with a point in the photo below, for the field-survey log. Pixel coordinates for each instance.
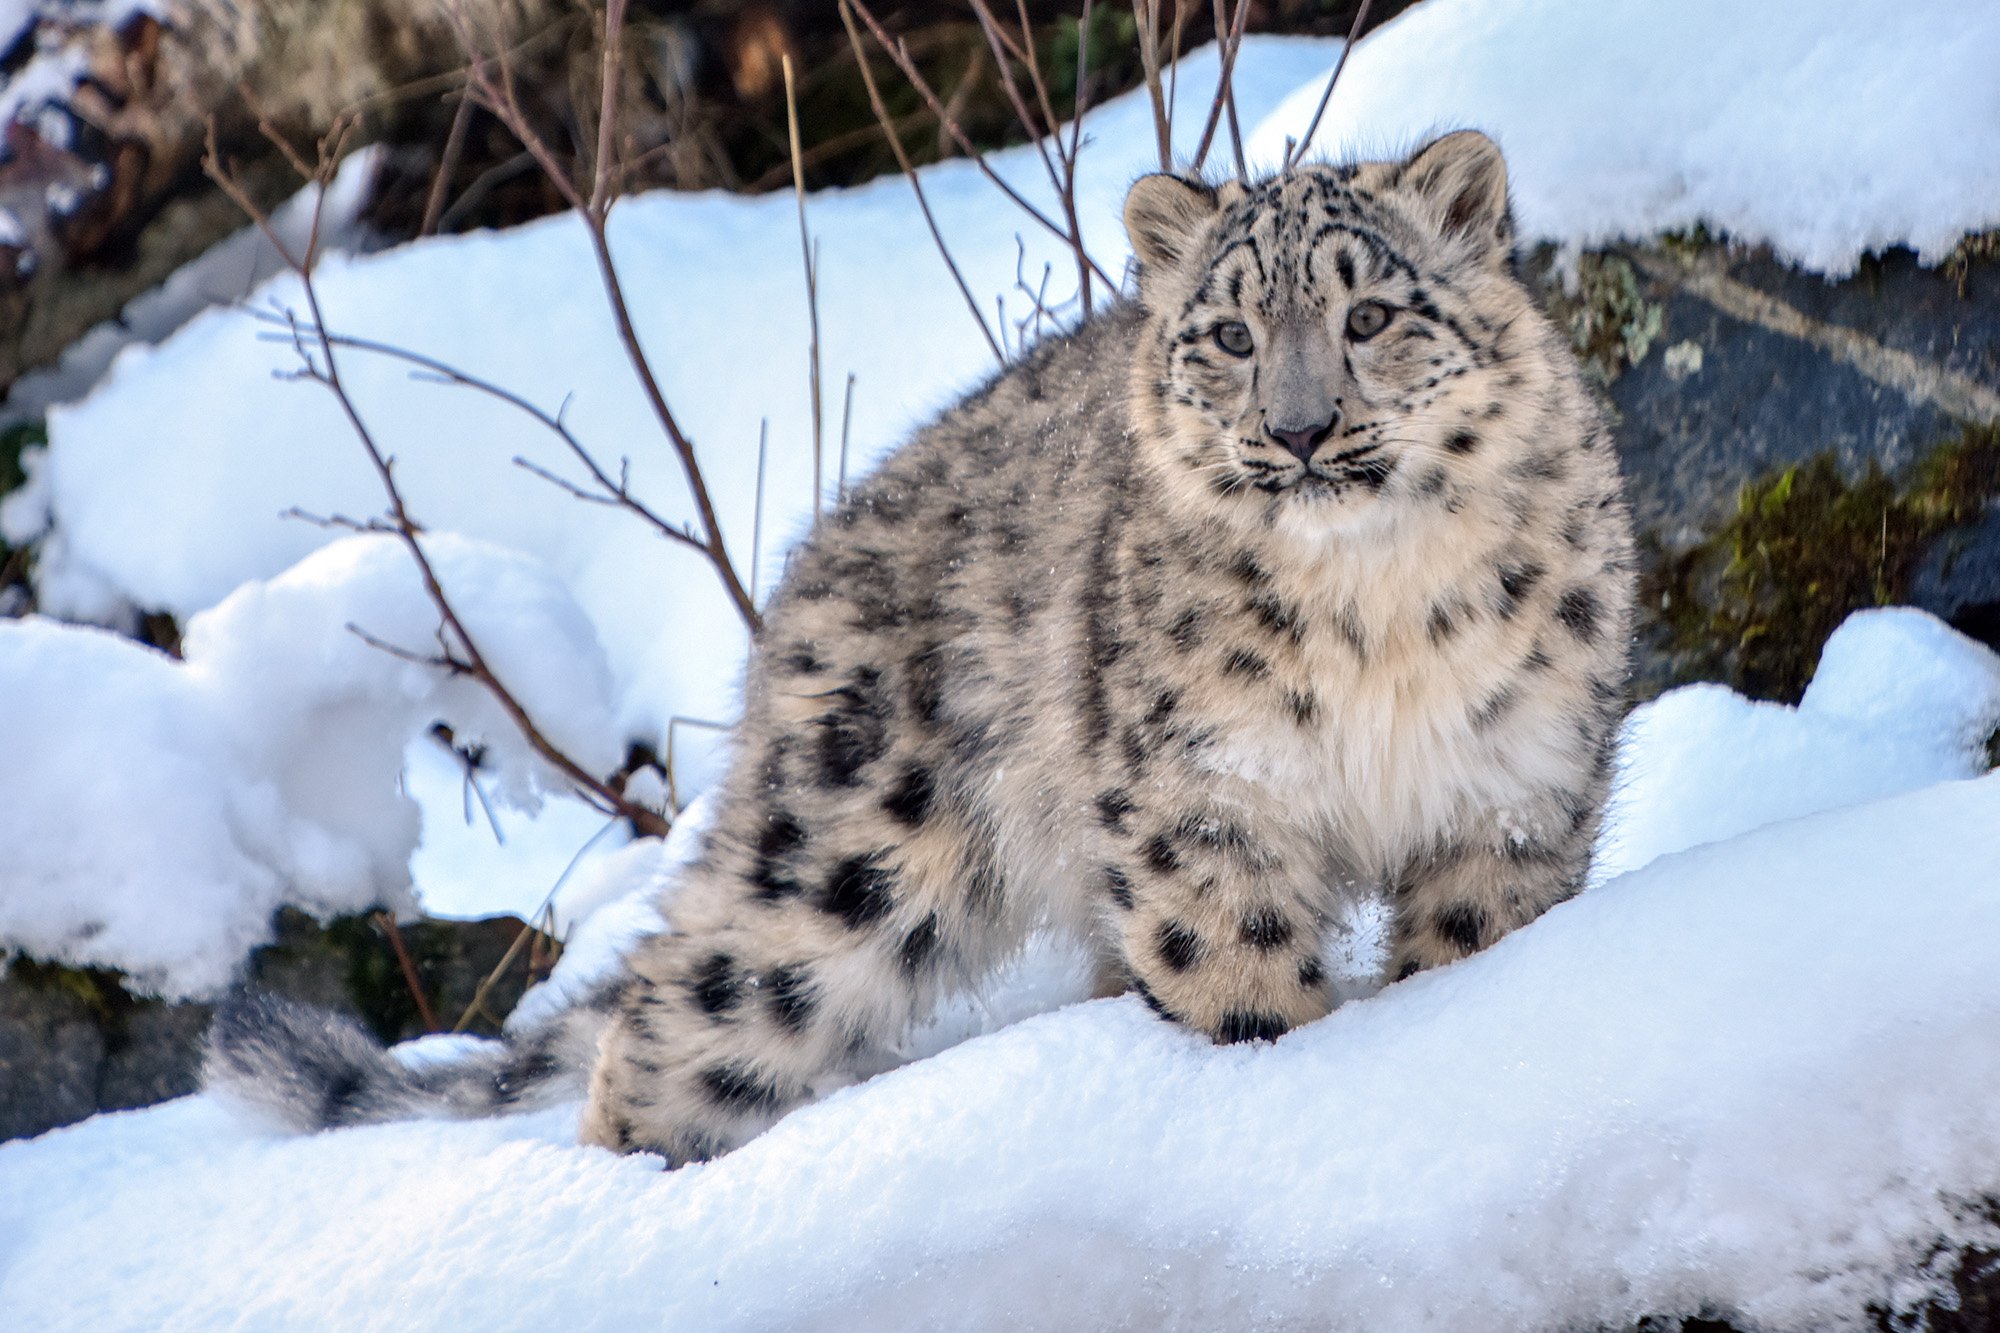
(1225, 90)
(1294, 153)
(757, 505)
(617, 492)
(846, 421)
(1148, 14)
(454, 142)
(408, 967)
(899, 53)
(910, 174)
(810, 253)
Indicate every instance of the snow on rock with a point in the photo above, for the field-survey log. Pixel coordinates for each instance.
(1752, 1079)
(154, 813)
(1829, 129)
(1900, 700)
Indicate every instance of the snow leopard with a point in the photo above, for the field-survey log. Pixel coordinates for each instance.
(1300, 572)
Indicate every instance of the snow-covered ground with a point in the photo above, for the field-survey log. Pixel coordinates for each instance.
(1752, 1069)
(1753, 1077)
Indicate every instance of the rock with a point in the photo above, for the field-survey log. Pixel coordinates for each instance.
(1735, 375)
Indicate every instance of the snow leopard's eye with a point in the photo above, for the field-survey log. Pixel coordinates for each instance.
(1368, 319)
(1234, 338)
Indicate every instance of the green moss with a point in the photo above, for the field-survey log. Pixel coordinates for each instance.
(1610, 322)
(1753, 605)
(101, 992)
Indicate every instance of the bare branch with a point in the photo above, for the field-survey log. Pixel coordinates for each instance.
(810, 253)
(899, 53)
(910, 174)
(1148, 14)
(460, 652)
(1295, 153)
(454, 144)
(610, 492)
(846, 421)
(1225, 90)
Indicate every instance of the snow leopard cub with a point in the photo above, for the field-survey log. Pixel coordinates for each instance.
(1306, 570)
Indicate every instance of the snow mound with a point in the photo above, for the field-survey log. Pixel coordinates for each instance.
(1900, 700)
(1829, 130)
(154, 813)
(1754, 1078)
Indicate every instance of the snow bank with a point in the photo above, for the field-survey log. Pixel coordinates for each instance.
(1749, 1078)
(1900, 700)
(1829, 129)
(154, 813)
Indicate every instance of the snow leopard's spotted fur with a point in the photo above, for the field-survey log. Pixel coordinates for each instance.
(1183, 626)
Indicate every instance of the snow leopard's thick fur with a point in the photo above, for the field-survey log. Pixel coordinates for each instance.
(1306, 570)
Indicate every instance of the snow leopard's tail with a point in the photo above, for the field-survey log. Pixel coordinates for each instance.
(311, 1069)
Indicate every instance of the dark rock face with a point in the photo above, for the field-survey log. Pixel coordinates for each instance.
(74, 1042)
(1727, 368)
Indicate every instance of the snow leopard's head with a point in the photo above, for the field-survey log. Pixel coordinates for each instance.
(1334, 339)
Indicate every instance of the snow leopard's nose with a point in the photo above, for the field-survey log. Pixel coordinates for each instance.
(1302, 441)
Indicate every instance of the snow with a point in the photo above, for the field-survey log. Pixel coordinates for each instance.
(1899, 701)
(1828, 130)
(154, 813)
(1751, 1078)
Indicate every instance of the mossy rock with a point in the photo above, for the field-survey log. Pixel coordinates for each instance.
(1776, 483)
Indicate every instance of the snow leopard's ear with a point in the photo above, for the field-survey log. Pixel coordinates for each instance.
(1464, 178)
(1164, 214)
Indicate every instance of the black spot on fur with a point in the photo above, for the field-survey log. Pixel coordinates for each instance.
(920, 945)
(1145, 993)
(1243, 662)
(859, 891)
(1276, 617)
(1516, 582)
(1185, 631)
(909, 801)
(1240, 1025)
(521, 1075)
(1266, 929)
(1497, 706)
(1119, 886)
(1304, 707)
(1461, 442)
(1444, 620)
(854, 734)
(782, 835)
(1463, 925)
(923, 683)
(792, 997)
(1112, 807)
(734, 1088)
(1245, 567)
(1312, 972)
(716, 987)
(1409, 969)
(1179, 947)
(1578, 611)
(1160, 855)
(344, 1087)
